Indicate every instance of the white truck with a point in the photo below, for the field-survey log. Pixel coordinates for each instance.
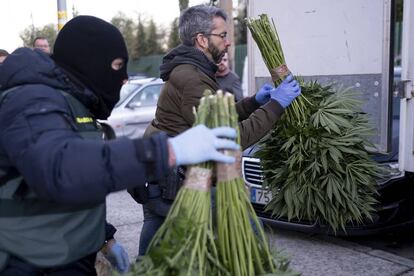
(349, 42)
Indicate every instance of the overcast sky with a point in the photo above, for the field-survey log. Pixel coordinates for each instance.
(16, 15)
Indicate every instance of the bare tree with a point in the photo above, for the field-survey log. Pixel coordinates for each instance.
(153, 38)
(140, 40)
(174, 38)
(128, 29)
(30, 33)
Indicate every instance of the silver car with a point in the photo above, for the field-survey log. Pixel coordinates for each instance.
(131, 115)
(132, 84)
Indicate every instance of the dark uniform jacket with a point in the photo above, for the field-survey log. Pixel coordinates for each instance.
(188, 73)
(37, 137)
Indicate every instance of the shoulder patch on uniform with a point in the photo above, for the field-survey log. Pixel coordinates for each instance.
(84, 120)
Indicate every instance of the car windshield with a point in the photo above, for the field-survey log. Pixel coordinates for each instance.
(126, 90)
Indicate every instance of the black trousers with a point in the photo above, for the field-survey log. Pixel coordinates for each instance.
(82, 267)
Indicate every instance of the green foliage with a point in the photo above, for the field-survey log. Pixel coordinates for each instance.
(184, 245)
(174, 38)
(191, 241)
(267, 39)
(314, 160)
(153, 37)
(128, 29)
(48, 31)
(140, 40)
(319, 169)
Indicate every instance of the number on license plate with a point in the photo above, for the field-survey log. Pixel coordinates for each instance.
(260, 196)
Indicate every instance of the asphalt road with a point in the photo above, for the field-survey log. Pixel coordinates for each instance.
(310, 254)
(400, 243)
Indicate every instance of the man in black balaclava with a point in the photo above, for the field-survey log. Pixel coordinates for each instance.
(88, 55)
(55, 169)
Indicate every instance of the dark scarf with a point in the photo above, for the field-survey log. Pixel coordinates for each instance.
(183, 54)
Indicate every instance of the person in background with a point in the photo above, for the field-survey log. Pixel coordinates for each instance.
(227, 80)
(55, 168)
(188, 70)
(3, 55)
(42, 44)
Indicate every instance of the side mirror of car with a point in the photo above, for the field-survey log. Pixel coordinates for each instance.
(134, 105)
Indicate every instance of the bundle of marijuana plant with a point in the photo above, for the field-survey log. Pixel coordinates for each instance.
(315, 160)
(322, 171)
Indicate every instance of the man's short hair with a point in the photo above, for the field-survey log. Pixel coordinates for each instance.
(3, 53)
(198, 19)
(39, 38)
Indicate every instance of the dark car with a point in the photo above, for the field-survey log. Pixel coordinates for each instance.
(396, 191)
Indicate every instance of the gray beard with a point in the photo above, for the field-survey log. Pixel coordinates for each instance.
(215, 53)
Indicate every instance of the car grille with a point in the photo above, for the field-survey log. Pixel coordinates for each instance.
(252, 171)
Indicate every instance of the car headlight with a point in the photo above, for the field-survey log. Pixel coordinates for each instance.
(390, 171)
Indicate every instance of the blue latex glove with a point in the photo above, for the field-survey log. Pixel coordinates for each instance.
(263, 95)
(118, 257)
(286, 92)
(200, 144)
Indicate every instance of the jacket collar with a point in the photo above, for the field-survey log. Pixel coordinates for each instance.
(184, 54)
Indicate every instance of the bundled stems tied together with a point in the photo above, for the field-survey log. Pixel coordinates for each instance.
(267, 39)
(191, 242)
(242, 243)
(184, 244)
(315, 160)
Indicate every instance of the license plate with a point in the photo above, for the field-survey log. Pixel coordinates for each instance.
(260, 196)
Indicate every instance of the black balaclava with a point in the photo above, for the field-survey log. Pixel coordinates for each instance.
(86, 47)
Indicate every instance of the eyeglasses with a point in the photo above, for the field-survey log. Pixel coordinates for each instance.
(222, 35)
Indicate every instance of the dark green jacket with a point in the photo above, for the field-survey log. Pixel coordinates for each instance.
(183, 91)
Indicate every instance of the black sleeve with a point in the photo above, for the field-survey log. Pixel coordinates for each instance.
(58, 164)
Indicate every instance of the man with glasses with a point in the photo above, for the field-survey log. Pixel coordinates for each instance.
(188, 70)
